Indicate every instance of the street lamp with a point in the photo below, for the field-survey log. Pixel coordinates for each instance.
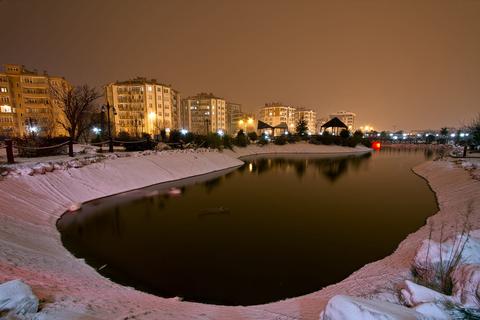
(106, 108)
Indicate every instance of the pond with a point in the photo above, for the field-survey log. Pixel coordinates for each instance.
(274, 228)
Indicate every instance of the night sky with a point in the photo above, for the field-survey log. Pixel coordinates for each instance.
(397, 64)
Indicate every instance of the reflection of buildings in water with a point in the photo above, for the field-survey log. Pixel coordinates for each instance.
(331, 168)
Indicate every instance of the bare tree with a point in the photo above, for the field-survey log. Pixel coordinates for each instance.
(76, 104)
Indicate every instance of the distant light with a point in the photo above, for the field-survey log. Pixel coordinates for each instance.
(250, 121)
(250, 167)
(309, 133)
(462, 134)
(33, 129)
(286, 133)
(466, 134)
(404, 134)
(184, 131)
(452, 135)
(220, 133)
(404, 137)
(376, 145)
(395, 137)
(96, 130)
(391, 134)
(151, 115)
(378, 134)
(419, 135)
(167, 130)
(437, 135)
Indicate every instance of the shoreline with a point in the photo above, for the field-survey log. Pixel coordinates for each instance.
(31, 249)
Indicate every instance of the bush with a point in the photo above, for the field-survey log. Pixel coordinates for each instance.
(241, 139)
(227, 141)
(293, 138)
(280, 140)
(213, 141)
(264, 139)
(252, 136)
(30, 145)
(345, 134)
(135, 143)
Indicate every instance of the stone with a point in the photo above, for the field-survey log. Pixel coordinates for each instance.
(17, 298)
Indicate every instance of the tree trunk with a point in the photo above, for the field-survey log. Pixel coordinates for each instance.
(70, 147)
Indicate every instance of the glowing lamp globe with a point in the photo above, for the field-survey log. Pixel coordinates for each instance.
(376, 145)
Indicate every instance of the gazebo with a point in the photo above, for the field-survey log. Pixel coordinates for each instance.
(335, 124)
(262, 126)
(282, 126)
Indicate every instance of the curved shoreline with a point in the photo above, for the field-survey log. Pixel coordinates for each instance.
(30, 246)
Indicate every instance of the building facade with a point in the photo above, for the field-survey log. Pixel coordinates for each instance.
(310, 116)
(143, 106)
(27, 105)
(208, 113)
(234, 115)
(346, 117)
(276, 113)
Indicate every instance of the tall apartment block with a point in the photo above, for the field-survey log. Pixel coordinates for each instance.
(143, 105)
(310, 116)
(275, 113)
(234, 115)
(207, 113)
(26, 103)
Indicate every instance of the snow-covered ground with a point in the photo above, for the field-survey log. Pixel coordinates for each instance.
(31, 250)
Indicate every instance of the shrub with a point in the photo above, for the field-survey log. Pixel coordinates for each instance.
(252, 136)
(264, 139)
(29, 147)
(292, 138)
(241, 140)
(135, 143)
(280, 140)
(227, 141)
(213, 141)
(345, 134)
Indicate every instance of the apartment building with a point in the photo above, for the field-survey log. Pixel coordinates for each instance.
(143, 106)
(346, 117)
(26, 103)
(310, 116)
(234, 115)
(208, 113)
(276, 113)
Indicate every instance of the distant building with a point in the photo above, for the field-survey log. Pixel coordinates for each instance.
(346, 117)
(234, 115)
(26, 103)
(310, 116)
(208, 113)
(143, 105)
(276, 113)
(320, 123)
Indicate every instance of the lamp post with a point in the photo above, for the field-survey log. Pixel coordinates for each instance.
(106, 108)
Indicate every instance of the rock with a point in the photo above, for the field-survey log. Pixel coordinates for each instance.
(39, 169)
(433, 310)
(414, 294)
(48, 167)
(74, 207)
(342, 307)
(466, 285)
(16, 298)
(74, 164)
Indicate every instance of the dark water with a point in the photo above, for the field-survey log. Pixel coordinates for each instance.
(275, 228)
